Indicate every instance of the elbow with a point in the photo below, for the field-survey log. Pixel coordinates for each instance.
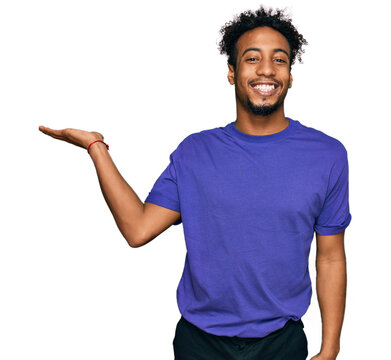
(140, 241)
(132, 236)
(132, 242)
(135, 241)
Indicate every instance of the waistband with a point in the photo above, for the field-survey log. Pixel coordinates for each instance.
(250, 339)
(288, 323)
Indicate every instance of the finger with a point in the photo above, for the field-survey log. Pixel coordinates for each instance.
(67, 135)
(58, 134)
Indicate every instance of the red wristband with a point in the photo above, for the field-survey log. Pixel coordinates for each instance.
(88, 149)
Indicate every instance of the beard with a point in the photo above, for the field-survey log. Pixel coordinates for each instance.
(263, 109)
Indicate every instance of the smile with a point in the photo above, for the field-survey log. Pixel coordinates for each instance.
(265, 89)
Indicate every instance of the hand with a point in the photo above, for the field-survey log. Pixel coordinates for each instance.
(74, 136)
(321, 356)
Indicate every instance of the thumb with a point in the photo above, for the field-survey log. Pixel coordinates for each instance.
(98, 134)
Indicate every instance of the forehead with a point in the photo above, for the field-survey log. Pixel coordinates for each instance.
(263, 37)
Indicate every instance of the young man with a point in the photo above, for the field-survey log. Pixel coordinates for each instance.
(250, 196)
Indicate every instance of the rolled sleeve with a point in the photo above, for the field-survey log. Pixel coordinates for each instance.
(335, 215)
(165, 191)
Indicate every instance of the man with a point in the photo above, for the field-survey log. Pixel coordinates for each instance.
(250, 196)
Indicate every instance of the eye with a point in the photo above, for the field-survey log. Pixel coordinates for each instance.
(280, 60)
(252, 59)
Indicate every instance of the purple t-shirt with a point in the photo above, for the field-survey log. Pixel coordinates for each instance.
(249, 207)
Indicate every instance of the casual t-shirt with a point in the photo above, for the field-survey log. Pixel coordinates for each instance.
(249, 207)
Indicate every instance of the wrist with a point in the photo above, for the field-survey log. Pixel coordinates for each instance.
(97, 145)
(329, 354)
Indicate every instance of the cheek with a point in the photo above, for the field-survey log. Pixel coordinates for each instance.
(285, 85)
(243, 82)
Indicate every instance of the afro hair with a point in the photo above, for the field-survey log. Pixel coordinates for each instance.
(249, 20)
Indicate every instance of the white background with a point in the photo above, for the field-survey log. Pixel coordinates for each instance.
(146, 75)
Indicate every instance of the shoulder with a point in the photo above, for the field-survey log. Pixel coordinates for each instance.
(319, 140)
(197, 140)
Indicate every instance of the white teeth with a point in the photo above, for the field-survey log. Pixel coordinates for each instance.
(264, 87)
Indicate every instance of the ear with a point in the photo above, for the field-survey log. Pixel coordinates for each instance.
(231, 74)
(290, 80)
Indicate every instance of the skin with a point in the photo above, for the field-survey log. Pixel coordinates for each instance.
(331, 283)
(263, 64)
(141, 222)
(138, 222)
(268, 64)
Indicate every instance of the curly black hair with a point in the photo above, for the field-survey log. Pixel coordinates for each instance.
(248, 20)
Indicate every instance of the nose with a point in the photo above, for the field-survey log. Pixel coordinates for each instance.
(265, 67)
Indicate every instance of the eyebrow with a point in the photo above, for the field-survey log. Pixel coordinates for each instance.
(257, 49)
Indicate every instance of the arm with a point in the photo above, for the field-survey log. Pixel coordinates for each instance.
(331, 282)
(139, 223)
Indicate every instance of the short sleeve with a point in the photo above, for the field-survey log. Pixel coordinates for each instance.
(165, 191)
(335, 215)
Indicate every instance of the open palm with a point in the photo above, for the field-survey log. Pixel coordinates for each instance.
(76, 137)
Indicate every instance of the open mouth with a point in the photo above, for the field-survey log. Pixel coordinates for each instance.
(265, 88)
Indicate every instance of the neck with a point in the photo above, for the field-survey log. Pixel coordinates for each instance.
(249, 123)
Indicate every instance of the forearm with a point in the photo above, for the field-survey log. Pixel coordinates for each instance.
(124, 204)
(331, 291)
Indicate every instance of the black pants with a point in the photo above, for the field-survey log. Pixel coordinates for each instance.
(287, 343)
